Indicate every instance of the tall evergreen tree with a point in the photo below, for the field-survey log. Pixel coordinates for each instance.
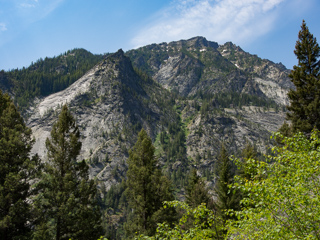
(196, 191)
(249, 153)
(304, 108)
(227, 198)
(146, 189)
(17, 169)
(68, 200)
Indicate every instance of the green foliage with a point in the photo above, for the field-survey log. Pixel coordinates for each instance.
(115, 197)
(196, 191)
(146, 189)
(304, 108)
(226, 198)
(175, 145)
(282, 197)
(142, 58)
(285, 130)
(114, 205)
(202, 226)
(17, 169)
(248, 155)
(102, 238)
(68, 200)
(243, 59)
(232, 99)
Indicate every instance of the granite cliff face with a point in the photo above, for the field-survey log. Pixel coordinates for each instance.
(110, 103)
(194, 92)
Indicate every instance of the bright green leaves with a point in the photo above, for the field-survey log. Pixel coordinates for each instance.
(195, 223)
(283, 202)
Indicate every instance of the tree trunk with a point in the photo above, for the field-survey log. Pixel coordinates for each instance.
(58, 228)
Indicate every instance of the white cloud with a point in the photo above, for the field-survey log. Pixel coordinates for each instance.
(240, 21)
(3, 27)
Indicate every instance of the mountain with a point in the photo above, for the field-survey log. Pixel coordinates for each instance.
(111, 103)
(226, 93)
(190, 96)
(197, 65)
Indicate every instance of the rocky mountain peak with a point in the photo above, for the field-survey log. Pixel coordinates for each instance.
(193, 43)
(117, 55)
(122, 71)
(117, 58)
(229, 46)
(200, 43)
(189, 95)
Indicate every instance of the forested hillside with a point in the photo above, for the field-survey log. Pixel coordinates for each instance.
(47, 76)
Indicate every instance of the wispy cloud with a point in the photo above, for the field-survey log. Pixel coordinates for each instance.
(21, 14)
(3, 27)
(34, 10)
(239, 21)
(49, 6)
(27, 4)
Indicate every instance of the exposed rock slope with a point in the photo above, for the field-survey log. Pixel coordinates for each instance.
(189, 95)
(111, 103)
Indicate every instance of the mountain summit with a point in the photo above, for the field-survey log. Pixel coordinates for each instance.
(189, 67)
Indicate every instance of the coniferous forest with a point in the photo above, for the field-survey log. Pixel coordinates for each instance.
(158, 192)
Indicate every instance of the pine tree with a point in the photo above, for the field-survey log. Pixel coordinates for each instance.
(68, 200)
(227, 198)
(17, 169)
(249, 153)
(304, 108)
(196, 191)
(146, 189)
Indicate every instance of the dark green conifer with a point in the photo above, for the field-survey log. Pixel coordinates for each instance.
(226, 197)
(196, 191)
(17, 169)
(68, 200)
(146, 190)
(249, 153)
(304, 108)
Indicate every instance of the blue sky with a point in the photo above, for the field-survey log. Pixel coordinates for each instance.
(33, 29)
